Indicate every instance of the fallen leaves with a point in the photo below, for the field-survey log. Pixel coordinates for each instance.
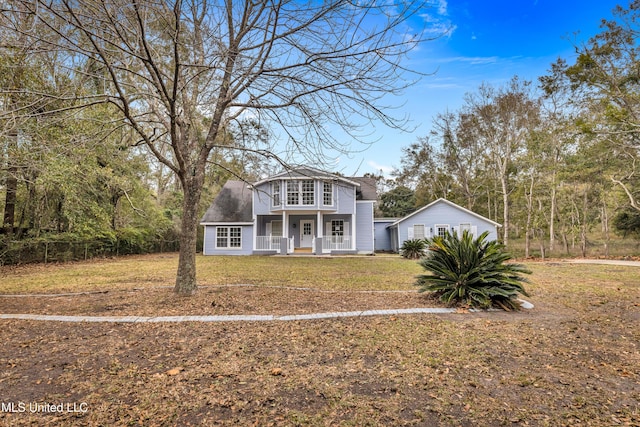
(277, 372)
(174, 371)
(562, 363)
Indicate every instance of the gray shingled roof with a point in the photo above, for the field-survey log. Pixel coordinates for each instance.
(232, 204)
(367, 190)
(303, 172)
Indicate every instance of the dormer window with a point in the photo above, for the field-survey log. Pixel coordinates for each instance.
(275, 193)
(327, 194)
(300, 192)
(308, 193)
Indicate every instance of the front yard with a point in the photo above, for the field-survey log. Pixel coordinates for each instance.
(572, 360)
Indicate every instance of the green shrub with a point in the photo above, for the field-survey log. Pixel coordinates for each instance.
(413, 249)
(472, 272)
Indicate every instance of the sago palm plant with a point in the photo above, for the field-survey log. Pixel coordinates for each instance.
(472, 272)
(414, 248)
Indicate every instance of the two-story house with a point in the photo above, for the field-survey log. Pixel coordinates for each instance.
(300, 210)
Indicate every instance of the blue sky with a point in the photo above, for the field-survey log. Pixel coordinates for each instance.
(489, 41)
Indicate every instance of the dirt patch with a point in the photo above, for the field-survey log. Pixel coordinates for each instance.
(559, 364)
(572, 360)
(209, 301)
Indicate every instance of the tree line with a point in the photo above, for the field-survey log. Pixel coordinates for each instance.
(553, 161)
(118, 118)
(119, 114)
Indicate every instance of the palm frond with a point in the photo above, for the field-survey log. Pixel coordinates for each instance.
(472, 272)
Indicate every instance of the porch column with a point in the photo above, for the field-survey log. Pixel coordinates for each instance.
(284, 240)
(255, 233)
(285, 226)
(353, 231)
(319, 227)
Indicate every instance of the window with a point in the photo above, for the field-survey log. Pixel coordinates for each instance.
(276, 228)
(442, 229)
(327, 194)
(301, 192)
(293, 193)
(464, 227)
(337, 230)
(306, 229)
(418, 231)
(307, 192)
(275, 193)
(229, 237)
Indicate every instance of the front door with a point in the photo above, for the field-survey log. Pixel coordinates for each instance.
(306, 233)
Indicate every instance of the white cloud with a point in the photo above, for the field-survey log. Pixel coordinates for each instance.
(437, 20)
(442, 7)
(443, 86)
(474, 60)
(386, 170)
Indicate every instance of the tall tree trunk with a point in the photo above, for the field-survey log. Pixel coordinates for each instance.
(505, 209)
(541, 232)
(11, 184)
(605, 228)
(528, 228)
(583, 224)
(10, 200)
(489, 204)
(186, 277)
(552, 216)
(543, 254)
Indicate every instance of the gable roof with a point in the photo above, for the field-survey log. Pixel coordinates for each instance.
(307, 172)
(367, 190)
(441, 200)
(232, 204)
(365, 186)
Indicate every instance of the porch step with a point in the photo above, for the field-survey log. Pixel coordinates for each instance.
(302, 251)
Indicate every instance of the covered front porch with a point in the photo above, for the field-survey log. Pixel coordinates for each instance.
(306, 232)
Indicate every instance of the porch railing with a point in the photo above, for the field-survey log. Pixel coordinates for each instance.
(272, 243)
(336, 243)
(268, 243)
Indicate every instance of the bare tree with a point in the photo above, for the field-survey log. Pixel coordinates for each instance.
(461, 154)
(182, 72)
(502, 120)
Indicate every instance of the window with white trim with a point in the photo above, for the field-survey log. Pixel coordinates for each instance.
(275, 193)
(229, 237)
(327, 194)
(463, 227)
(418, 231)
(337, 230)
(276, 228)
(308, 192)
(442, 229)
(301, 192)
(293, 192)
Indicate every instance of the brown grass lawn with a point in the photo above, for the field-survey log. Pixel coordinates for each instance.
(572, 360)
